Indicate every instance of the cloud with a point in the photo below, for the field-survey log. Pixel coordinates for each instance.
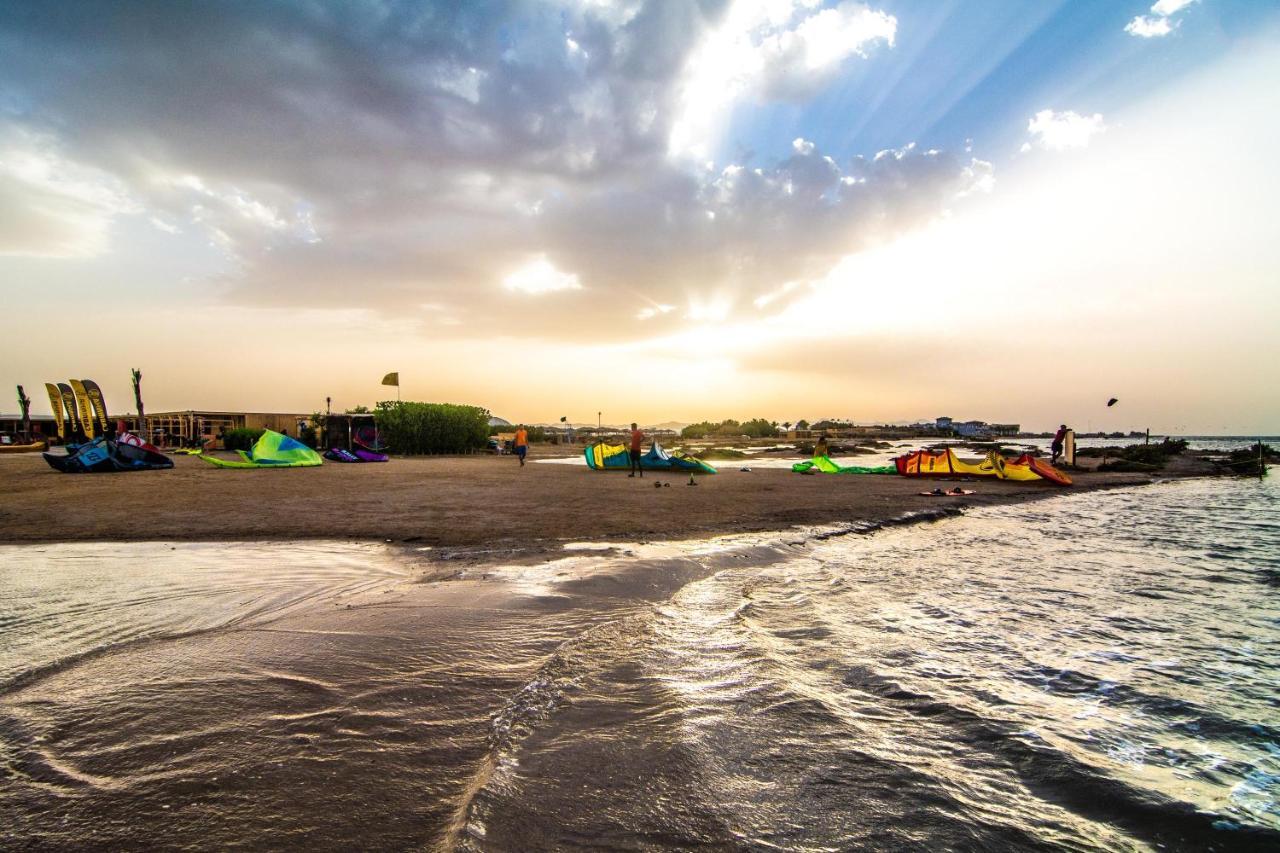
(402, 155)
(1160, 22)
(1058, 131)
(51, 205)
(784, 50)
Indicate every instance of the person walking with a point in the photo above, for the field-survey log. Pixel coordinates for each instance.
(637, 440)
(521, 443)
(1056, 447)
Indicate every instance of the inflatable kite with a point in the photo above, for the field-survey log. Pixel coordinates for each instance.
(337, 454)
(104, 455)
(824, 465)
(615, 457)
(272, 450)
(945, 463)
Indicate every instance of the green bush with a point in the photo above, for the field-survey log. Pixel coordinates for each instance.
(757, 428)
(417, 428)
(241, 439)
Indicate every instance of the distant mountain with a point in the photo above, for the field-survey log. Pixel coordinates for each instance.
(499, 422)
(674, 425)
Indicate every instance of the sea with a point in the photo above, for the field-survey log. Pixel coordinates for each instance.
(1096, 671)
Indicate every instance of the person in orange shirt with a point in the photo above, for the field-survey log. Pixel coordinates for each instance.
(637, 439)
(521, 443)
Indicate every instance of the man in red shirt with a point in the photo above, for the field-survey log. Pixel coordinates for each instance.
(637, 439)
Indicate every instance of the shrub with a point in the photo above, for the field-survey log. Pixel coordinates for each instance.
(415, 428)
(757, 428)
(1143, 457)
(241, 439)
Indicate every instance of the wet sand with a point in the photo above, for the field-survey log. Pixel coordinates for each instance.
(468, 503)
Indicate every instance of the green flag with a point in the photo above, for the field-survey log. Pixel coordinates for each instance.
(392, 379)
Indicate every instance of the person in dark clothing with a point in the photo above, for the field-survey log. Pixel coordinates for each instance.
(1058, 438)
(637, 440)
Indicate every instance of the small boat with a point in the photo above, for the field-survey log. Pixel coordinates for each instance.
(33, 447)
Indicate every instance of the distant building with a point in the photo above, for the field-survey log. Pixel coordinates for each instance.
(943, 423)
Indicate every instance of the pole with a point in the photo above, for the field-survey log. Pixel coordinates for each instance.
(599, 421)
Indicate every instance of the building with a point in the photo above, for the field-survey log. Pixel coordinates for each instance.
(42, 426)
(176, 429)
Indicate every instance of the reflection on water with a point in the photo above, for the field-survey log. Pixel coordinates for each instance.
(1098, 671)
(60, 602)
(1093, 672)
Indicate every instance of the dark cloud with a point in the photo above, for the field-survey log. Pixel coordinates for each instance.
(410, 156)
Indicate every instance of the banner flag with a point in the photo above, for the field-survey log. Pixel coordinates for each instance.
(86, 415)
(55, 403)
(392, 379)
(98, 402)
(74, 429)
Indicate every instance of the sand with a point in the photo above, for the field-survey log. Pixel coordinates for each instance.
(470, 502)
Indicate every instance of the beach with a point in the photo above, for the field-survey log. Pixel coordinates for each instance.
(467, 502)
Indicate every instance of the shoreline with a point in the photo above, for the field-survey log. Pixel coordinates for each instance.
(465, 507)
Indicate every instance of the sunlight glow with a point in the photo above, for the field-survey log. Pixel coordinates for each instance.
(540, 276)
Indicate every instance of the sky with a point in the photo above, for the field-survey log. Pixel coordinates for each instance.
(648, 210)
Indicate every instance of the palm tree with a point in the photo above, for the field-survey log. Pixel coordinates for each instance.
(137, 398)
(25, 402)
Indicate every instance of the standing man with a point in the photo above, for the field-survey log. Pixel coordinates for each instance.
(1056, 447)
(637, 439)
(521, 443)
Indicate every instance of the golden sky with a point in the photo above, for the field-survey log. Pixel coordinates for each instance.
(636, 259)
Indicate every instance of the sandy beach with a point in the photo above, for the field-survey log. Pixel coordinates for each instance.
(462, 502)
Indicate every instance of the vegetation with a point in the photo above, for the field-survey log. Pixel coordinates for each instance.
(241, 439)
(536, 433)
(357, 410)
(1250, 453)
(720, 453)
(415, 428)
(1137, 457)
(755, 428)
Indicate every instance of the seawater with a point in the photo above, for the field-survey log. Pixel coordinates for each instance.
(1094, 671)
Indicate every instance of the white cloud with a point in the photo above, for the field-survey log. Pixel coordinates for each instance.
(784, 49)
(1058, 131)
(1160, 22)
(1146, 28)
(540, 276)
(51, 205)
(1169, 7)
